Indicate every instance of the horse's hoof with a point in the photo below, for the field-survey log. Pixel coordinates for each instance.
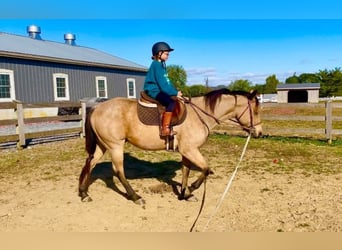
(192, 198)
(86, 199)
(141, 202)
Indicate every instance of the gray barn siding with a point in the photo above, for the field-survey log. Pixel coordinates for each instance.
(34, 80)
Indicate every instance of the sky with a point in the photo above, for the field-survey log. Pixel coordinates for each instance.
(221, 41)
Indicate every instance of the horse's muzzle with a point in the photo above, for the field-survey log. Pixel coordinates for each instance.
(256, 131)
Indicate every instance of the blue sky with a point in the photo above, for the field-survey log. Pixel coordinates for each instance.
(219, 40)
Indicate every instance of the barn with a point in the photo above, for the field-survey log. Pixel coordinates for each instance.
(34, 70)
(301, 92)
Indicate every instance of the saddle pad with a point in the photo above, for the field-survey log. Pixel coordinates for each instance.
(148, 115)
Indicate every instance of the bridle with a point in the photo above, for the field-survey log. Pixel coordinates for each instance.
(252, 125)
(249, 129)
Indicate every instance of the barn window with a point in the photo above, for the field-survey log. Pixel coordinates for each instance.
(101, 86)
(7, 92)
(131, 88)
(61, 87)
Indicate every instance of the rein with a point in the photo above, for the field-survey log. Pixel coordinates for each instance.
(218, 121)
(196, 108)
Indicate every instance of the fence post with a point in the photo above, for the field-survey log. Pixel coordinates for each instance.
(84, 114)
(328, 121)
(20, 127)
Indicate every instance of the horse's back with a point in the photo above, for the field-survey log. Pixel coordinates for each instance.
(115, 107)
(113, 115)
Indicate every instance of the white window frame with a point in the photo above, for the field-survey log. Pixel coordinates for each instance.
(128, 80)
(66, 77)
(97, 79)
(12, 85)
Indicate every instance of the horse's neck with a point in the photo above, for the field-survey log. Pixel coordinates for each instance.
(227, 103)
(224, 108)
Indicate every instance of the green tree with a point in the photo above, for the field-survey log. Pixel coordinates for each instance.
(260, 88)
(196, 90)
(331, 82)
(177, 75)
(243, 85)
(292, 79)
(309, 78)
(271, 85)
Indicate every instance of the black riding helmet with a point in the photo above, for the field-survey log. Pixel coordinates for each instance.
(160, 46)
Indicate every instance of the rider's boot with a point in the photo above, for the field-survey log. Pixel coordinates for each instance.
(166, 122)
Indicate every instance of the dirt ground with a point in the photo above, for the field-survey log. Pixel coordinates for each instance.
(257, 201)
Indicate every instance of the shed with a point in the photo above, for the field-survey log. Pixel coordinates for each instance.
(34, 70)
(301, 92)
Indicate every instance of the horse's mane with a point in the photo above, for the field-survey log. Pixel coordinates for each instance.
(212, 97)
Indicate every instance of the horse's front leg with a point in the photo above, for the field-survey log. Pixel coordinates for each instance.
(185, 192)
(198, 162)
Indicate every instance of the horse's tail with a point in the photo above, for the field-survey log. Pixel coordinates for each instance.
(90, 136)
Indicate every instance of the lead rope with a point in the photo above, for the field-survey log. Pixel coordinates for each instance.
(202, 204)
(227, 187)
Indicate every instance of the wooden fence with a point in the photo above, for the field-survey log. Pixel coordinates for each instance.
(272, 112)
(21, 122)
(320, 125)
(321, 120)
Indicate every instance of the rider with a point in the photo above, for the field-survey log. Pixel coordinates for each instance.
(159, 87)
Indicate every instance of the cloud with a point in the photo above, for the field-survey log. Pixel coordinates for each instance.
(199, 75)
(215, 78)
(194, 72)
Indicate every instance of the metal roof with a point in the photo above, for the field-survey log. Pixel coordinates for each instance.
(37, 49)
(298, 86)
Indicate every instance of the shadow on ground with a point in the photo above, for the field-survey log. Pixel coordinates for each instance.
(138, 169)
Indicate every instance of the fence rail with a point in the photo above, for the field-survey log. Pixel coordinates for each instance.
(21, 123)
(327, 117)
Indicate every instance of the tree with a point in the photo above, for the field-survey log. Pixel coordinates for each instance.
(260, 88)
(292, 79)
(331, 82)
(196, 90)
(271, 85)
(309, 78)
(243, 85)
(177, 75)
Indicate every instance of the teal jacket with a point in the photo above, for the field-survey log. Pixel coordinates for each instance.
(157, 80)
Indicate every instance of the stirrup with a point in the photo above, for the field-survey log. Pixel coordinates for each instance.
(170, 143)
(171, 134)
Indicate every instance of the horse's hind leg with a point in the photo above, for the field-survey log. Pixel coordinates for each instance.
(118, 168)
(85, 176)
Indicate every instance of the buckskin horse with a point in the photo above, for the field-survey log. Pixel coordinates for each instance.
(110, 124)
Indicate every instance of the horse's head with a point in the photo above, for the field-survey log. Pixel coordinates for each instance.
(248, 113)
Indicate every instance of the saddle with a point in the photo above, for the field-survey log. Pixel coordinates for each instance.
(150, 111)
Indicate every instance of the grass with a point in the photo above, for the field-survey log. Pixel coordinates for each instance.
(273, 154)
(280, 154)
